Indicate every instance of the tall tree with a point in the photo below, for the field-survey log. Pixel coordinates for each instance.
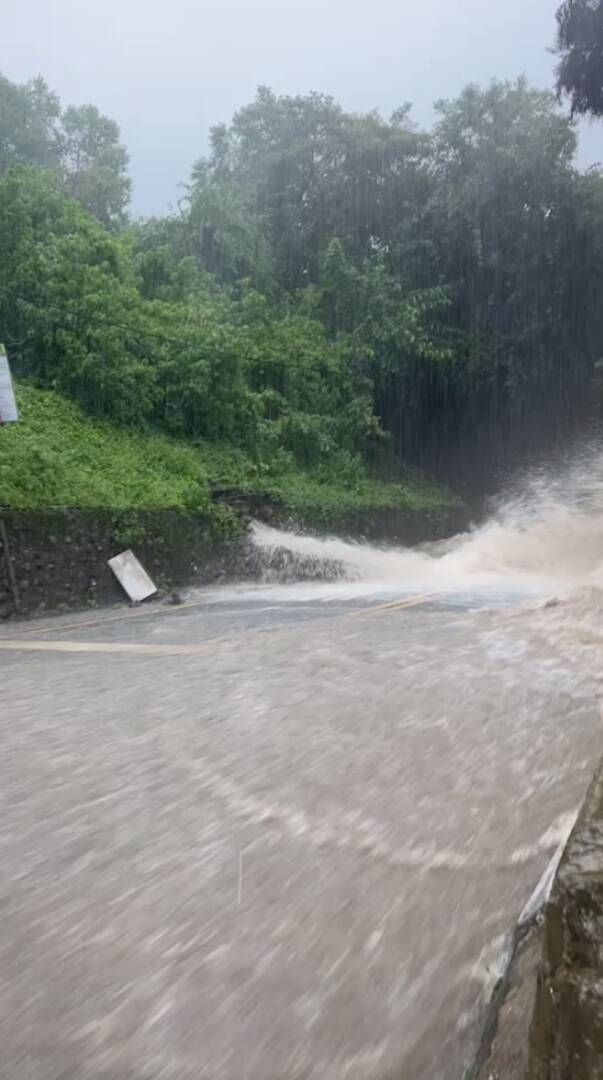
(512, 244)
(226, 231)
(579, 45)
(94, 163)
(329, 276)
(29, 121)
(309, 172)
(451, 264)
(79, 144)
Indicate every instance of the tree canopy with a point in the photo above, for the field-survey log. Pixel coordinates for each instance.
(77, 143)
(579, 46)
(336, 289)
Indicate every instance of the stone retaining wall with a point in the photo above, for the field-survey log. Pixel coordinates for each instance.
(60, 555)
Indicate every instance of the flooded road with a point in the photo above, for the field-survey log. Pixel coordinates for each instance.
(282, 831)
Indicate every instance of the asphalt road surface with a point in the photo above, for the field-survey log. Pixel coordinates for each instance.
(277, 835)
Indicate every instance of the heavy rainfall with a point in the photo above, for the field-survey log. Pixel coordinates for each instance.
(301, 547)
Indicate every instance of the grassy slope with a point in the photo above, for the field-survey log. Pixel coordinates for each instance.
(58, 456)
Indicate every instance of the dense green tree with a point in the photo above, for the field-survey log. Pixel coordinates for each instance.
(190, 358)
(307, 172)
(579, 45)
(69, 307)
(334, 288)
(29, 121)
(94, 163)
(79, 144)
(509, 228)
(226, 235)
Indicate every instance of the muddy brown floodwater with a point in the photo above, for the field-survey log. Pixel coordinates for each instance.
(285, 837)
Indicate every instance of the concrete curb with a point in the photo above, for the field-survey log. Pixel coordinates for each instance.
(545, 1017)
(566, 1034)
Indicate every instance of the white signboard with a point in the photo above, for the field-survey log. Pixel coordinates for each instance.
(132, 577)
(8, 405)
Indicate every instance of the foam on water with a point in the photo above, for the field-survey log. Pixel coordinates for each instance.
(546, 538)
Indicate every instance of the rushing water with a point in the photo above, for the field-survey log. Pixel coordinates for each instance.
(484, 713)
(420, 765)
(296, 850)
(546, 537)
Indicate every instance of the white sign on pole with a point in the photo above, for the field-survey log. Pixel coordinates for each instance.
(8, 405)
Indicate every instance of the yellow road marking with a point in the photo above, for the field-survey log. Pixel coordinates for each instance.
(104, 647)
(174, 649)
(413, 601)
(148, 611)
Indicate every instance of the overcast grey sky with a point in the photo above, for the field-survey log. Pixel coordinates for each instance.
(168, 70)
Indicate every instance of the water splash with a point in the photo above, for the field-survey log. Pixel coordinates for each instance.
(547, 537)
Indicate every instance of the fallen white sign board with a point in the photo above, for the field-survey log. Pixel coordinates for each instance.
(132, 577)
(8, 405)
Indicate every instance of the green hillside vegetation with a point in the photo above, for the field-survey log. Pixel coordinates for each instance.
(58, 456)
(340, 300)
